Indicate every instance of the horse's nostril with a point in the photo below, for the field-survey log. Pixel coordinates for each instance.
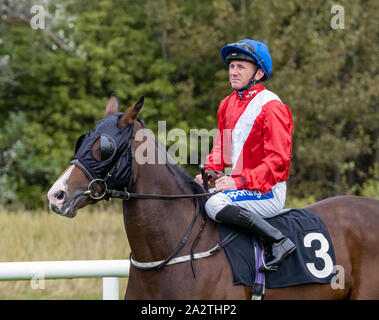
(59, 194)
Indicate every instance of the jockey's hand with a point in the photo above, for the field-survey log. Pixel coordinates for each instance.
(199, 179)
(225, 183)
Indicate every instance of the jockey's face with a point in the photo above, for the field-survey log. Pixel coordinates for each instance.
(240, 72)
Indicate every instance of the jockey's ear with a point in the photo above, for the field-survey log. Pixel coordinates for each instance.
(259, 75)
(132, 113)
(113, 105)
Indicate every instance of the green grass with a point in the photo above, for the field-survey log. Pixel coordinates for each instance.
(96, 233)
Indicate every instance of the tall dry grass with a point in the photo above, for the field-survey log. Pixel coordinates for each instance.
(97, 232)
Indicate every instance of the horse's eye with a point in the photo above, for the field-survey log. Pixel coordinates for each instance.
(107, 147)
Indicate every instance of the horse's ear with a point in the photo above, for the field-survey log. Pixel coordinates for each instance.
(132, 112)
(138, 105)
(113, 105)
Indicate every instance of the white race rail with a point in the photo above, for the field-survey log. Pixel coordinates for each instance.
(109, 270)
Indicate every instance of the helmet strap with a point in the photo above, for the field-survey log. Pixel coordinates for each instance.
(251, 82)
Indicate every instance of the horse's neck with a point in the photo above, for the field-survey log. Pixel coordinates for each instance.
(155, 227)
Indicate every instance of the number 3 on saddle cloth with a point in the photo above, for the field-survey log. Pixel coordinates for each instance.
(313, 260)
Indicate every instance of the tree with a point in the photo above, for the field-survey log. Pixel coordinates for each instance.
(54, 82)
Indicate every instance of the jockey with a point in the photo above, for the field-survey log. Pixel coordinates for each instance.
(255, 138)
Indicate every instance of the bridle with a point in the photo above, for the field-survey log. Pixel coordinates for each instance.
(107, 193)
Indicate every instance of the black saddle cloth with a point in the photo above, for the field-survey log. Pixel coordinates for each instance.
(311, 262)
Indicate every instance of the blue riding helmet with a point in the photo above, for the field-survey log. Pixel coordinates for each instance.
(249, 50)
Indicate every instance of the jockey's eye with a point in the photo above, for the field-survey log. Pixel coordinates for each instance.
(107, 147)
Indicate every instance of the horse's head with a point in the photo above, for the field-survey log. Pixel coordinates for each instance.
(98, 154)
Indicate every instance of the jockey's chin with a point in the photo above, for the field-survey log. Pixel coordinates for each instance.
(237, 84)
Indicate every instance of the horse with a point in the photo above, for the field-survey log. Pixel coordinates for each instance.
(155, 226)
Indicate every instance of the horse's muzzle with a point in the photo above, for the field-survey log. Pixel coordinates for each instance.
(66, 207)
(55, 209)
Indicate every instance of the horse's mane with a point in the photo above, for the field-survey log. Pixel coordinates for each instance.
(184, 178)
(182, 175)
(188, 181)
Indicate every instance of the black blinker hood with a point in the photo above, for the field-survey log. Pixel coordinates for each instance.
(120, 164)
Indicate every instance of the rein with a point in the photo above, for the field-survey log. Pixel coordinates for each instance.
(107, 194)
(126, 195)
(157, 265)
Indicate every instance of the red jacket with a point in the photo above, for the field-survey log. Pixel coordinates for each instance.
(255, 137)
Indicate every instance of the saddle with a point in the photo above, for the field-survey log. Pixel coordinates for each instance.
(313, 261)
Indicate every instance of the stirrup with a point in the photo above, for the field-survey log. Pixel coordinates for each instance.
(263, 268)
(266, 268)
(275, 266)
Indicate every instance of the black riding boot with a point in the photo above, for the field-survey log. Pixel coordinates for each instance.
(281, 245)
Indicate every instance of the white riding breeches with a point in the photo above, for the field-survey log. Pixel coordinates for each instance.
(265, 205)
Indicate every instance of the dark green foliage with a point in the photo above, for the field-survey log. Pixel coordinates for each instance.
(54, 83)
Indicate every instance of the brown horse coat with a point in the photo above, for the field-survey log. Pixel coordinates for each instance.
(155, 227)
